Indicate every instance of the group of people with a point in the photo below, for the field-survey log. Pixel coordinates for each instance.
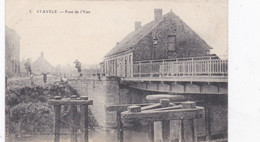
(28, 68)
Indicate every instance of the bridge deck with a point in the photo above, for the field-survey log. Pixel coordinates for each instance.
(179, 79)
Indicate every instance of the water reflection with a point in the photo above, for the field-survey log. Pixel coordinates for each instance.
(97, 136)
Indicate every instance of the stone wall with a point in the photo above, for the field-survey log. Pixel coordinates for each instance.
(102, 93)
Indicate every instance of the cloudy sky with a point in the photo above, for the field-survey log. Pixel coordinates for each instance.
(64, 37)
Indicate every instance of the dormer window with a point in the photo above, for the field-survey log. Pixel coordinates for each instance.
(171, 42)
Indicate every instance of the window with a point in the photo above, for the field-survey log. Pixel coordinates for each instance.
(130, 59)
(171, 43)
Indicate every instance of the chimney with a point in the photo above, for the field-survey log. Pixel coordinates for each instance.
(137, 25)
(42, 54)
(157, 14)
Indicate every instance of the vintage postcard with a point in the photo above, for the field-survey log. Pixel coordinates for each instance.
(116, 71)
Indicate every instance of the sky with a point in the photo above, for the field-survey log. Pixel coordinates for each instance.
(64, 37)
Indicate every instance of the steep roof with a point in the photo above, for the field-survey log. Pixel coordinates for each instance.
(134, 37)
(131, 39)
(41, 65)
(11, 32)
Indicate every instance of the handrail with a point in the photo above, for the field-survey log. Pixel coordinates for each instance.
(202, 67)
(177, 59)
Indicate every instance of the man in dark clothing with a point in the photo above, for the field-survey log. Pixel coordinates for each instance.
(44, 77)
(78, 66)
(98, 74)
(28, 67)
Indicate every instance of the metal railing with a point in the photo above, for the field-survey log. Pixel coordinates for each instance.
(203, 66)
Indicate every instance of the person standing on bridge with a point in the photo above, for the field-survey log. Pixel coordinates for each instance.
(78, 66)
(98, 74)
(45, 77)
(28, 68)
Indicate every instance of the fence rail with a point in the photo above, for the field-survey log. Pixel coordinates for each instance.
(168, 68)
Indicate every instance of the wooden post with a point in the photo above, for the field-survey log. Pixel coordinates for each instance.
(120, 132)
(73, 102)
(151, 131)
(166, 130)
(182, 139)
(165, 123)
(184, 67)
(86, 122)
(209, 66)
(177, 67)
(192, 67)
(174, 130)
(193, 132)
(151, 72)
(82, 122)
(140, 69)
(84, 118)
(208, 122)
(73, 125)
(188, 105)
(57, 113)
(163, 69)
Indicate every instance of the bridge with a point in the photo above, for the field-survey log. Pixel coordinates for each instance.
(200, 79)
(193, 75)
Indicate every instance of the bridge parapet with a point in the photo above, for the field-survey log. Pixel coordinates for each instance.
(192, 68)
(183, 67)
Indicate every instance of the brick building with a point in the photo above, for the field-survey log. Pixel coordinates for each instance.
(166, 37)
(12, 53)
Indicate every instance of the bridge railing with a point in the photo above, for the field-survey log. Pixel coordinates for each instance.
(209, 66)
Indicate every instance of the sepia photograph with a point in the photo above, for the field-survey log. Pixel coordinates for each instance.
(116, 71)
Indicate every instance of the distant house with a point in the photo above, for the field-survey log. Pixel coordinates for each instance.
(41, 65)
(12, 52)
(165, 37)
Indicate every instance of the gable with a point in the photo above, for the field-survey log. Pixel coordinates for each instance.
(130, 41)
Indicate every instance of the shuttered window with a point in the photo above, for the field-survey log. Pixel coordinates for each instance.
(171, 43)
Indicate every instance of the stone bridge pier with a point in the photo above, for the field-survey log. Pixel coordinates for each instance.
(105, 93)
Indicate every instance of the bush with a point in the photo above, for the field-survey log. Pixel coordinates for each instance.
(31, 118)
(38, 94)
(29, 113)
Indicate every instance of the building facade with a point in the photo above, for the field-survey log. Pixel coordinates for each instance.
(166, 37)
(12, 53)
